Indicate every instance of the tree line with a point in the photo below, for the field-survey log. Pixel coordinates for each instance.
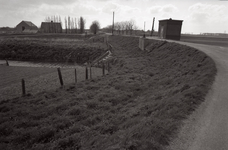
(123, 27)
(72, 25)
(53, 18)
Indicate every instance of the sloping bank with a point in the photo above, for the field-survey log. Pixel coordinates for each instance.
(51, 50)
(139, 105)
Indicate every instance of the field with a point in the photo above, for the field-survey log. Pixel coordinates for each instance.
(140, 104)
(208, 40)
(37, 79)
(51, 49)
(73, 49)
(47, 36)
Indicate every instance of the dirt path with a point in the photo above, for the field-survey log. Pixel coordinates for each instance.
(207, 127)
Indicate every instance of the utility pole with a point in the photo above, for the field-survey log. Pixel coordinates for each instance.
(113, 23)
(144, 35)
(152, 30)
(144, 25)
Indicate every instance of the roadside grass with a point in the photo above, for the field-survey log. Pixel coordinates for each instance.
(140, 104)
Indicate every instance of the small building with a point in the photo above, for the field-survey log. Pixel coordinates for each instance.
(51, 27)
(170, 29)
(26, 27)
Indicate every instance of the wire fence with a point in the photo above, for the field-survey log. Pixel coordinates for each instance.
(50, 81)
(22, 81)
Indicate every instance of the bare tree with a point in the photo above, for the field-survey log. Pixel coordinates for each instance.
(47, 19)
(135, 28)
(94, 27)
(125, 27)
(60, 21)
(117, 27)
(53, 18)
(131, 24)
(108, 28)
(69, 25)
(66, 24)
(72, 25)
(81, 24)
(75, 22)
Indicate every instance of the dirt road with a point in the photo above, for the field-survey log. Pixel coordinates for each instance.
(207, 127)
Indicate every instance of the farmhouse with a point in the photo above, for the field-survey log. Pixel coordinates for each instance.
(51, 27)
(26, 27)
(170, 29)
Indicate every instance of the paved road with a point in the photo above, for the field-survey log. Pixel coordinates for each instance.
(207, 127)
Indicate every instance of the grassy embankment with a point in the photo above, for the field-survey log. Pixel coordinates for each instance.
(60, 49)
(51, 49)
(139, 105)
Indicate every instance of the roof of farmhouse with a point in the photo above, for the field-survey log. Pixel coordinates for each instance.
(29, 23)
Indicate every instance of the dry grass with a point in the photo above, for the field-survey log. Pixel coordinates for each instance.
(37, 79)
(139, 105)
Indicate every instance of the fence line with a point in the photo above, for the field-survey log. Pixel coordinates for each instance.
(45, 82)
(49, 81)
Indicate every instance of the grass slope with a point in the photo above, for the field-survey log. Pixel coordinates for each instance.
(49, 49)
(139, 105)
(8, 75)
(37, 79)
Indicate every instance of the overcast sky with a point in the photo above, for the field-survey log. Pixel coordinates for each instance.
(198, 15)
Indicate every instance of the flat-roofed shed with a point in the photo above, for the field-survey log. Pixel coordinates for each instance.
(170, 29)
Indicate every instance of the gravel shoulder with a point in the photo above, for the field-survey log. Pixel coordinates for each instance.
(207, 127)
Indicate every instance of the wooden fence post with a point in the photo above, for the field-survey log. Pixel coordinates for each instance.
(90, 70)
(108, 67)
(23, 87)
(60, 76)
(103, 68)
(7, 63)
(86, 73)
(75, 73)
